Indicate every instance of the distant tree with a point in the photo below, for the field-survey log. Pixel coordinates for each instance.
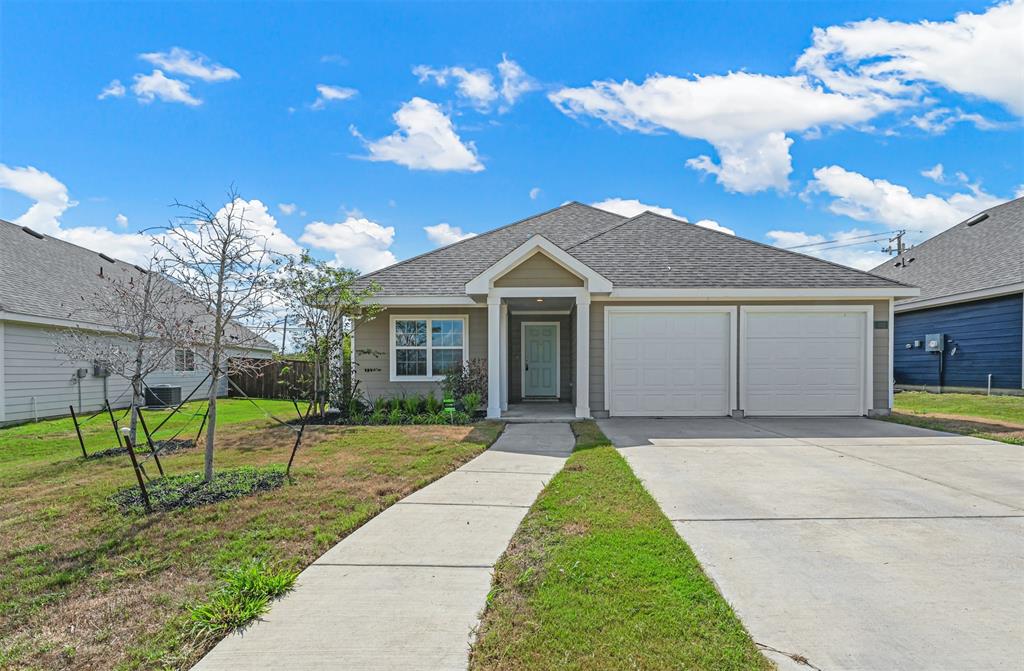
(324, 304)
(149, 318)
(226, 264)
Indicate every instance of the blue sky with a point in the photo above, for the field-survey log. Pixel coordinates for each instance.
(790, 123)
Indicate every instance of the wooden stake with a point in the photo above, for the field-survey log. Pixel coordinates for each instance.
(138, 471)
(202, 424)
(298, 439)
(74, 418)
(149, 441)
(117, 431)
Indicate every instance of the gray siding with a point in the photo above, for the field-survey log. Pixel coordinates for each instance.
(566, 353)
(539, 271)
(38, 381)
(373, 367)
(880, 344)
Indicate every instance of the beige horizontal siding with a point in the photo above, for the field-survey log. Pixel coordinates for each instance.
(539, 271)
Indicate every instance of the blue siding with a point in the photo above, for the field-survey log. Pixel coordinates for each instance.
(987, 337)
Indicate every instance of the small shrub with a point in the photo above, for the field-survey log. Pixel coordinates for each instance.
(431, 404)
(471, 401)
(379, 416)
(466, 378)
(397, 403)
(357, 418)
(380, 404)
(243, 596)
(411, 404)
(395, 416)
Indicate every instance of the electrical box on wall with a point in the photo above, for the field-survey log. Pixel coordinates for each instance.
(934, 342)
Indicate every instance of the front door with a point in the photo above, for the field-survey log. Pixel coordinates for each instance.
(540, 359)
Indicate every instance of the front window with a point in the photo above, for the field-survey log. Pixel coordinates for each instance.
(427, 348)
(184, 360)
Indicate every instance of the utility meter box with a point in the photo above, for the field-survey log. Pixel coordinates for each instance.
(934, 342)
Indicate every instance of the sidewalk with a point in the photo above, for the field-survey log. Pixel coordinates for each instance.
(405, 590)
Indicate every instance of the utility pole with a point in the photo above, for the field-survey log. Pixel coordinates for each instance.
(900, 247)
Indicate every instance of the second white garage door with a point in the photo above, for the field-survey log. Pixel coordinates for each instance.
(668, 362)
(802, 362)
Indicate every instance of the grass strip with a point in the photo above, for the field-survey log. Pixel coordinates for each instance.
(244, 595)
(597, 578)
(998, 418)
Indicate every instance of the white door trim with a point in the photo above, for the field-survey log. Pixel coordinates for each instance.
(558, 356)
(867, 381)
(730, 310)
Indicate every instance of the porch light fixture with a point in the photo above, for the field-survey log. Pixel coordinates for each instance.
(540, 300)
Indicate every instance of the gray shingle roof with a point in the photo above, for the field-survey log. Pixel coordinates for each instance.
(646, 251)
(965, 258)
(48, 278)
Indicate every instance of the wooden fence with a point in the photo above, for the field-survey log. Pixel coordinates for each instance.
(274, 379)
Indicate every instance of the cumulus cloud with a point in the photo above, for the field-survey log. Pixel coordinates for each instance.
(287, 209)
(893, 205)
(262, 224)
(189, 64)
(845, 246)
(330, 93)
(534, 193)
(445, 234)
(121, 220)
(356, 242)
(425, 140)
(974, 54)
(630, 207)
(148, 88)
(115, 89)
(744, 116)
(474, 86)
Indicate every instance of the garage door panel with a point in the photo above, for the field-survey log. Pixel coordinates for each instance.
(669, 363)
(803, 362)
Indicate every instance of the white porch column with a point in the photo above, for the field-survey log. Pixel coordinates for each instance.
(583, 356)
(504, 356)
(493, 357)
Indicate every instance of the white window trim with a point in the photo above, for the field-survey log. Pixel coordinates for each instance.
(558, 356)
(439, 317)
(867, 379)
(729, 310)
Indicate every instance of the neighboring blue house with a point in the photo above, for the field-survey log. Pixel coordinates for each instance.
(972, 297)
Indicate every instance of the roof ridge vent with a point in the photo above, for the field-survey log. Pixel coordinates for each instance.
(977, 219)
(105, 257)
(34, 234)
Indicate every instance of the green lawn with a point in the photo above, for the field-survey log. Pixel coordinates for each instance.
(994, 417)
(596, 578)
(84, 586)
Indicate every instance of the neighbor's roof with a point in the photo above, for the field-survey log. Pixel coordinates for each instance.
(646, 251)
(977, 254)
(48, 278)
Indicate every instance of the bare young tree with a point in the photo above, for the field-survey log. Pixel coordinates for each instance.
(227, 265)
(144, 321)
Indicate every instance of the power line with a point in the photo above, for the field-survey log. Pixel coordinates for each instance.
(829, 242)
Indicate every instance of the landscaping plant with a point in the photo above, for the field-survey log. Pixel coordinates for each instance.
(466, 378)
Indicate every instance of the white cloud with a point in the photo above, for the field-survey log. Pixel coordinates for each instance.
(974, 54)
(445, 234)
(939, 120)
(287, 209)
(121, 220)
(630, 207)
(514, 81)
(115, 89)
(425, 140)
(475, 86)
(744, 116)
(51, 200)
(189, 64)
(263, 224)
(151, 87)
(330, 93)
(356, 242)
(936, 173)
(534, 193)
(894, 206)
(846, 248)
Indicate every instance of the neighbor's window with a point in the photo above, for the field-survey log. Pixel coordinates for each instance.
(427, 348)
(184, 360)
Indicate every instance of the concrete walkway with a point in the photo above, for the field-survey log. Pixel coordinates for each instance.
(405, 590)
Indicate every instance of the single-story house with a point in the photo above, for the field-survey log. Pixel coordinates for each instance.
(42, 282)
(965, 332)
(643, 316)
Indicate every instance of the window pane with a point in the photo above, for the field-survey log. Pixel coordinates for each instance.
(443, 359)
(411, 333)
(411, 361)
(446, 332)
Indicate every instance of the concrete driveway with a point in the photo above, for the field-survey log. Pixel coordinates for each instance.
(848, 543)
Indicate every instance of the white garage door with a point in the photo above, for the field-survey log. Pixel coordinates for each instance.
(668, 362)
(803, 363)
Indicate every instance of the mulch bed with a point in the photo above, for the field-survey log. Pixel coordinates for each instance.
(190, 490)
(162, 446)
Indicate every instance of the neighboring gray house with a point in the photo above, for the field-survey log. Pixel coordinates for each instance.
(41, 278)
(644, 316)
(972, 294)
